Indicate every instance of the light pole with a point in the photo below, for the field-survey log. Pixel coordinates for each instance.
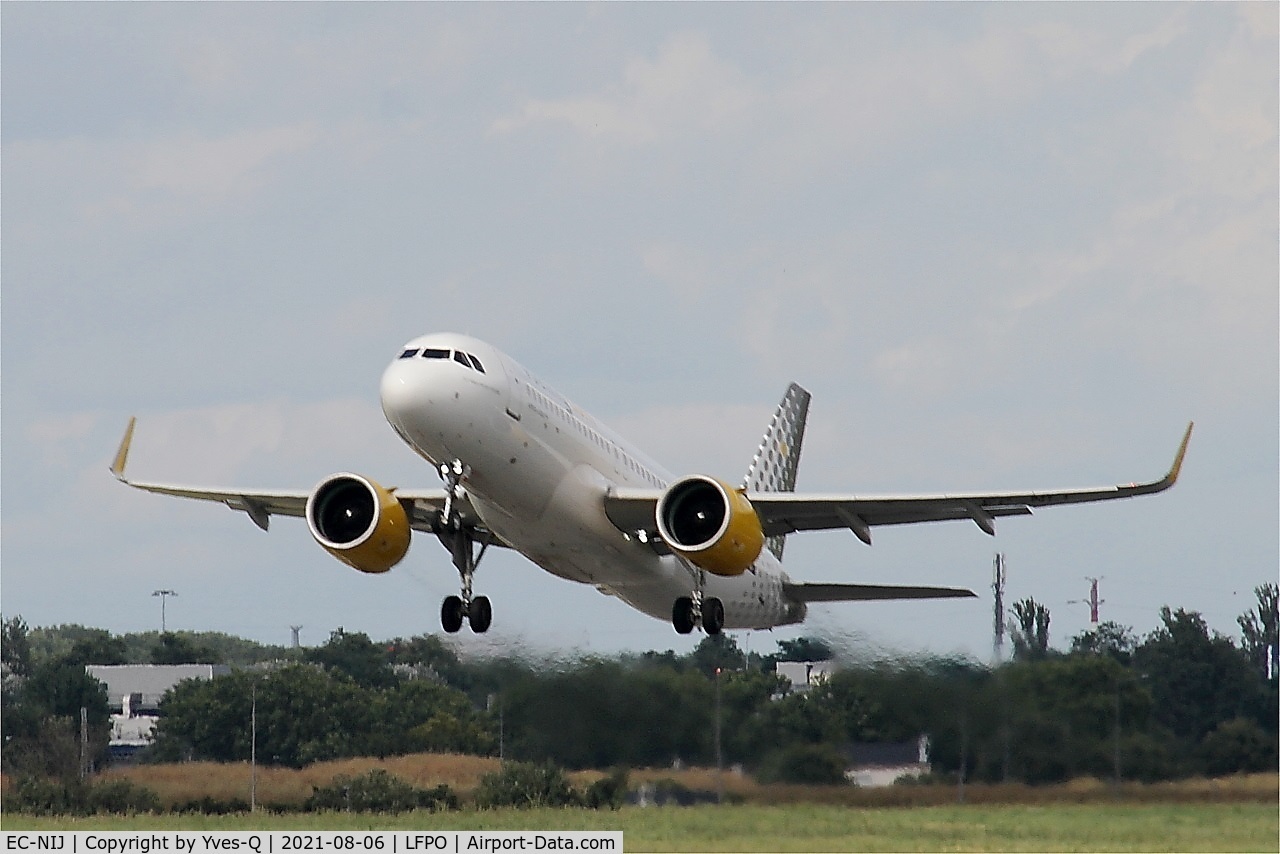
(164, 595)
(1123, 677)
(253, 747)
(1115, 778)
(719, 754)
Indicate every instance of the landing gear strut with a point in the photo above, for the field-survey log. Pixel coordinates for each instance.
(460, 539)
(690, 611)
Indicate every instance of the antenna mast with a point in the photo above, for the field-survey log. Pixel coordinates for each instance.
(1093, 601)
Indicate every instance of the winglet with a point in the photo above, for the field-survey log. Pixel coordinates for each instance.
(1176, 468)
(1154, 486)
(122, 455)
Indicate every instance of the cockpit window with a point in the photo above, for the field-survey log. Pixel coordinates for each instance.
(409, 354)
(461, 358)
(476, 362)
(433, 353)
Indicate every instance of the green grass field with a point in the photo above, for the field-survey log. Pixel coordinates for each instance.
(805, 827)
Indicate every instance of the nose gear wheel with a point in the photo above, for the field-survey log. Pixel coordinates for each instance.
(460, 539)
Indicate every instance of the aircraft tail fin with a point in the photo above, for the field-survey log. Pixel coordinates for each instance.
(778, 458)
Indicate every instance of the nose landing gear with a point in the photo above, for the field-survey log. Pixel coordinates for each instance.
(460, 539)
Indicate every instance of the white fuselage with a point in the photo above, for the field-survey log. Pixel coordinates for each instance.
(539, 470)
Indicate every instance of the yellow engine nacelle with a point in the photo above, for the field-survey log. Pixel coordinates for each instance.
(358, 522)
(710, 524)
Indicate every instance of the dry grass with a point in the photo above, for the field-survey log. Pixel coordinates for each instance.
(175, 784)
(178, 783)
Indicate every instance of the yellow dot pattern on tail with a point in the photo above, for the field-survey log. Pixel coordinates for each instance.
(778, 458)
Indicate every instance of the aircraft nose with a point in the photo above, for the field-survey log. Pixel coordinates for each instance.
(401, 391)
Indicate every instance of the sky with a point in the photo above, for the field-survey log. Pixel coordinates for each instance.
(1005, 246)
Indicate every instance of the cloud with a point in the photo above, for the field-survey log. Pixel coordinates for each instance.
(253, 444)
(107, 182)
(213, 168)
(58, 440)
(1002, 245)
(685, 88)
(1225, 136)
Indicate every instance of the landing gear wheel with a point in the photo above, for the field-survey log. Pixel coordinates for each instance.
(481, 614)
(682, 615)
(712, 615)
(451, 614)
(460, 537)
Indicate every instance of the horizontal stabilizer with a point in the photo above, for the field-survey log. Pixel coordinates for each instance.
(863, 592)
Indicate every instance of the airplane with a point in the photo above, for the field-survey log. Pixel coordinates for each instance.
(524, 468)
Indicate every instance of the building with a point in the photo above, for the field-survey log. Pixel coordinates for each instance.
(871, 765)
(135, 691)
(803, 675)
(145, 684)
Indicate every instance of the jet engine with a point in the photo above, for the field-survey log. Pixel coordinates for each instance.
(710, 524)
(358, 522)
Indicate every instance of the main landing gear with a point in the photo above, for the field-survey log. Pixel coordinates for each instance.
(689, 611)
(461, 539)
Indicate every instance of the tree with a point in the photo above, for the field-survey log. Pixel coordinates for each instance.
(1260, 633)
(96, 646)
(1197, 680)
(42, 720)
(304, 715)
(717, 652)
(808, 764)
(15, 646)
(745, 695)
(50, 749)
(355, 655)
(431, 652)
(1029, 629)
(216, 647)
(421, 715)
(524, 786)
(588, 716)
(1063, 712)
(804, 649)
(1107, 638)
(1236, 746)
(174, 648)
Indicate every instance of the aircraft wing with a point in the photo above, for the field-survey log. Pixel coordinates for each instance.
(866, 592)
(787, 512)
(423, 506)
